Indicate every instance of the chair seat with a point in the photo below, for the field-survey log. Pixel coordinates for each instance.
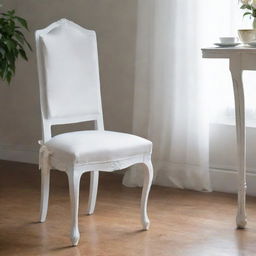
(87, 147)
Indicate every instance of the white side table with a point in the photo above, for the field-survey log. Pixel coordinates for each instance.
(240, 58)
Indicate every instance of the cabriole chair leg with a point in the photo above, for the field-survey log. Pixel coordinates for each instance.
(45, 183)
(148, 177)
(74, 186)
(94, 180)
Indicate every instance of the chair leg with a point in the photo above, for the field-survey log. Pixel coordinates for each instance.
(94, 179)
(45, 183)
(74, 186)
(148, 177)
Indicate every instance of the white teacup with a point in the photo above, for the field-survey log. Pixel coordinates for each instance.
(228, 40)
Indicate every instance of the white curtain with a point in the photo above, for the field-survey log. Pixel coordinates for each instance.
(173, 86)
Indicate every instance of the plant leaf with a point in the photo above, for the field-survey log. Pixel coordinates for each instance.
(22, 22)
(9, 77)
(23, 54)
(247, 13)
(12, 43)
(246, 6)
(11, 13)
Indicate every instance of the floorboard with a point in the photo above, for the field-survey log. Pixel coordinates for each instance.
(183, 223)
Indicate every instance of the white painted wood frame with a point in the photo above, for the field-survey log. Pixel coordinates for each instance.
(74, 171)
(240, 59)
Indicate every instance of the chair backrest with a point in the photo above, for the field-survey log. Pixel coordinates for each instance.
(68, 71)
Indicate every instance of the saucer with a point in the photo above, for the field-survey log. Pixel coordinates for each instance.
(227, 45)
(252, 44)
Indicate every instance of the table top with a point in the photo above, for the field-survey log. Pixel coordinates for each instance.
(243, 49)
(229, 52)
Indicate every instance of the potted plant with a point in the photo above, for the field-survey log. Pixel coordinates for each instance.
(13, 43)
(249, 6)
(248, 35)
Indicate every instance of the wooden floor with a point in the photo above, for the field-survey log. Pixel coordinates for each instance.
(183, 223)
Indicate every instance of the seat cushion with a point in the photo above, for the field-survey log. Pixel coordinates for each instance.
(87, 147)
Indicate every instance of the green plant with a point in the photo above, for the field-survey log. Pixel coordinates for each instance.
(250, 6)
(12, 43)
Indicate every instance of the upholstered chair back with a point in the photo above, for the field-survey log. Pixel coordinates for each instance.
(68, 74)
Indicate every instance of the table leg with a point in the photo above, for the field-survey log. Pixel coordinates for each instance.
(236, 73)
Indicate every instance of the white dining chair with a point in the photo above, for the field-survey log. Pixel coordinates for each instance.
(69, 84)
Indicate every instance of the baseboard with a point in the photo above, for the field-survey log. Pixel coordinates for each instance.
(19, 153)
(223, 180)
(227, 181)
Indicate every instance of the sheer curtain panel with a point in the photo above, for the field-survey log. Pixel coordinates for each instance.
(171, 100)
(177, 93)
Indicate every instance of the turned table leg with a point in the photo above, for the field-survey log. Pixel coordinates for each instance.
(236, 73)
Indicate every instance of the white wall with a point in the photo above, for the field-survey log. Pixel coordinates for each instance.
(223, 154)
(223, 158)
(115, 24)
